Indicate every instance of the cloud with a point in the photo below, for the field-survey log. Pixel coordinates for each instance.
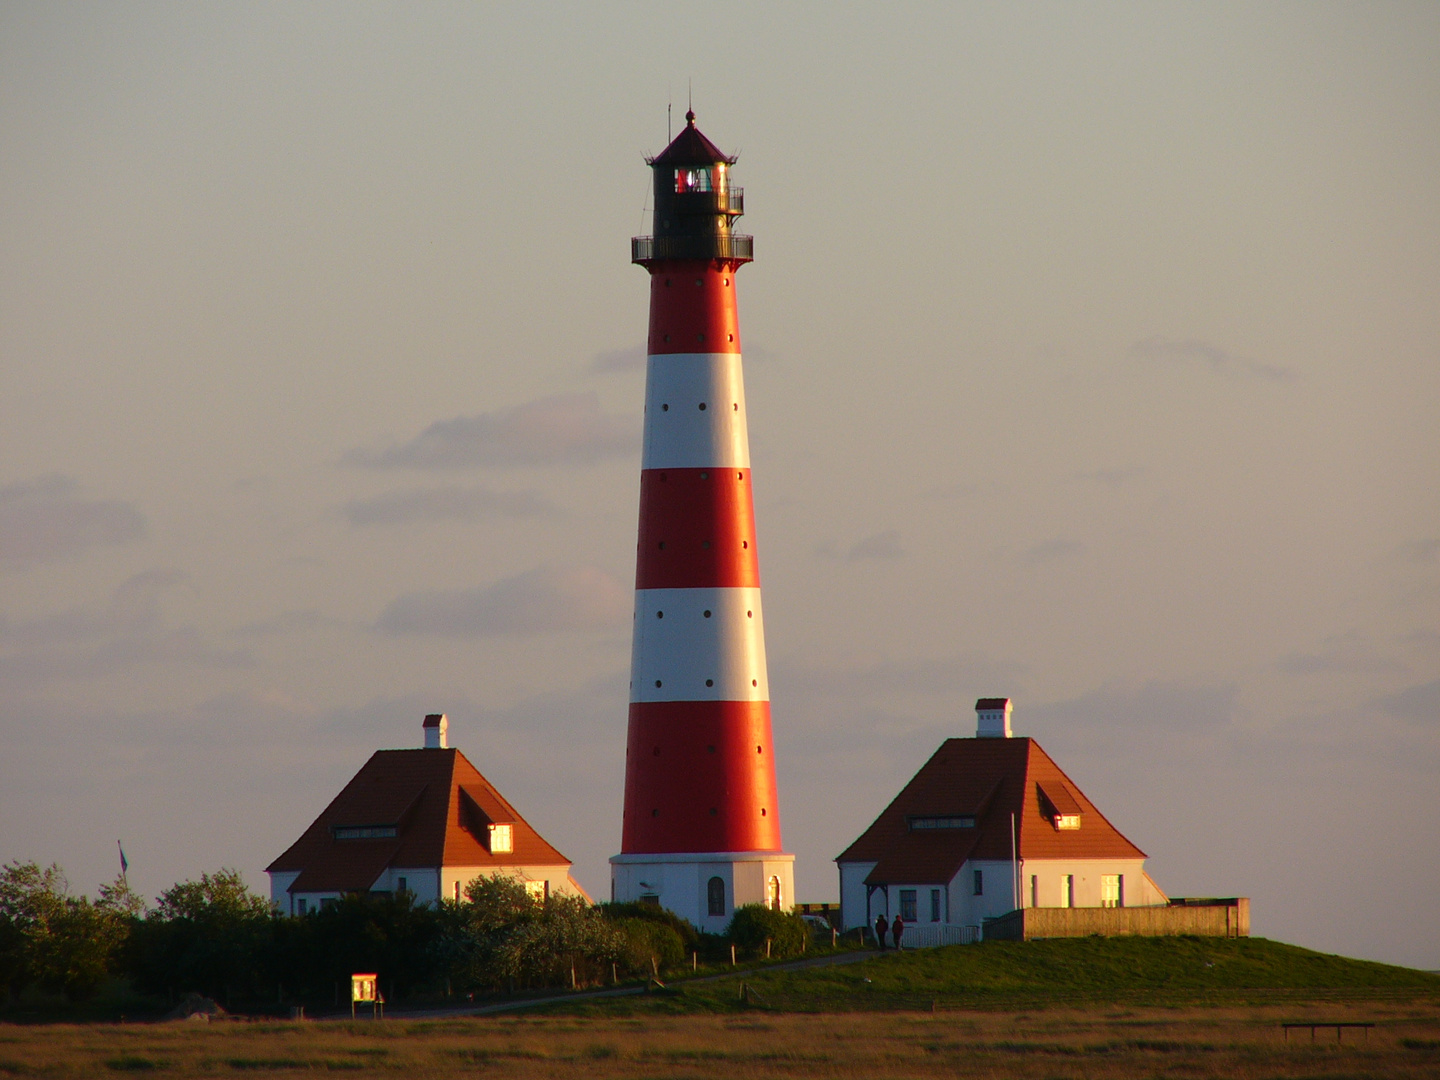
(1420, 703)
(90, 640)
(44, 519)
(1121, 710)
(1421, 551)
(445, 504)
(563, 429)
(884, 545)
(617, 361)
(1346, 652)
(1051, 551)
(1109, 477)
(538, 601)
(1206, 355)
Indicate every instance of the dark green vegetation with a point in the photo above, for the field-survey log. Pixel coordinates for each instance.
(60, 952)
(1004, 974)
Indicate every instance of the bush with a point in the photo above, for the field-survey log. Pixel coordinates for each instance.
(654, 913)
(649, 945)
(753, 924)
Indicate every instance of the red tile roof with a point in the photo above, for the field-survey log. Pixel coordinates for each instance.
(439, 806)
(988, 779)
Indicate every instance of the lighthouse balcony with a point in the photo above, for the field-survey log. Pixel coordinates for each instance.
(730, 202)
(730, 247)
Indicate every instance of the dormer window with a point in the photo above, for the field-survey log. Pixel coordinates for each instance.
(364, 832)
(502, 839)
(1059, 805)
(951, 821)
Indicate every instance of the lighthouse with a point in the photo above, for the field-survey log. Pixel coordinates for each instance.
(701, 831)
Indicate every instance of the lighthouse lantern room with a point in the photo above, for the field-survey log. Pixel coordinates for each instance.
(701, 829)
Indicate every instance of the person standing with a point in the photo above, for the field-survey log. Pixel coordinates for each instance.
(896, 929)
(881, 926)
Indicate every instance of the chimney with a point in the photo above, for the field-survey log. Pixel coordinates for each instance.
(435, 727)
(992, 718)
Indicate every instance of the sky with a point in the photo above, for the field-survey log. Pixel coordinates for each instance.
(1091, 355)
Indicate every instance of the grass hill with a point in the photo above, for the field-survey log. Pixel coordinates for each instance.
(1005, 974)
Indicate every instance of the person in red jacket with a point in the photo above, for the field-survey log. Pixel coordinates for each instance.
(880, 927)
(896, 929)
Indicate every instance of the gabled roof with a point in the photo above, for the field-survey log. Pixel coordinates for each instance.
(987, 779)
(439, 807)
(691, 148)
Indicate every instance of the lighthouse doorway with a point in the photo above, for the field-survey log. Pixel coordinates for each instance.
(772, 893)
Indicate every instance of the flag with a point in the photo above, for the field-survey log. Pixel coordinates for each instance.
(124, 863)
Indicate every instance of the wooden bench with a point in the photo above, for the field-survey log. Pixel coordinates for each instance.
(1339, 1027)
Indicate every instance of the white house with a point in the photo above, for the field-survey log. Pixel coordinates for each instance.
(988, 825)
(420, 821)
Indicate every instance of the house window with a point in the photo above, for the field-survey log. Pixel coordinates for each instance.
(715, 895)
(650, 898)
(934, 905)
(979, 883)
(302, 906)
(401, 885)
(1112, 890)
(1067, 821)
(456, 894)
(907, 905)
(502, 839)
(1034, 890)
(1067, 890)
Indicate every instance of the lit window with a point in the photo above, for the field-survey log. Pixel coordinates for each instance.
(502, 839)
(1067, 821)
(1111, 890)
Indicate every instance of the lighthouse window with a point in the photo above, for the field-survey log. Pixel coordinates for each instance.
(709, 682)
(707, 614)
(657, 684)
(702, 406)
(715, 889)
(659, 614)
(749, 614)
(744, 543)
(762, 811)
(693, 180)
(665, 408)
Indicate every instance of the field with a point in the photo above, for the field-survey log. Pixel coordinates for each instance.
(1093, 1008)
(1190, 1042)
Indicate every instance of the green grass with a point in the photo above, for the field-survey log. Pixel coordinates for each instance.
(1002, 973)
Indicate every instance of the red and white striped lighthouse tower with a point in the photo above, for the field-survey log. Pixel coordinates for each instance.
(702, 822)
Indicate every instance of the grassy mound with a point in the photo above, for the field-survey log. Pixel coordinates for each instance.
(1002, 973)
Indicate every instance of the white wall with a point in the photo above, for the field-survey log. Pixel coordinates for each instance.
(280, 882)
(852, 894)
(682, 884)
(1138, 890)
(556, 878)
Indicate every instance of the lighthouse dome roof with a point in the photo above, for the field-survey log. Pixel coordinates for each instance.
(690, 147)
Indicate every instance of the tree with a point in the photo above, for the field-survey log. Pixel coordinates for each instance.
(753, 924)
(55, 941)
(209, 936)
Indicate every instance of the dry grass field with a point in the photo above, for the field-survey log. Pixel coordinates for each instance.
(1190, 1041)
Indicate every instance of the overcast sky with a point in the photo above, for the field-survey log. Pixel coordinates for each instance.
(1093, 359)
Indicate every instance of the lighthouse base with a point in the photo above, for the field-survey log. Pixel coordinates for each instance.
(687, 883)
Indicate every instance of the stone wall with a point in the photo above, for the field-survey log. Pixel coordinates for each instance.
(1228, 917)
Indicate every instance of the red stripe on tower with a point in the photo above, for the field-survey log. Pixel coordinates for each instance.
(701, 830)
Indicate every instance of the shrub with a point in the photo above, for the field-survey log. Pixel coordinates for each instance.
(753, 924)
(645, 940)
